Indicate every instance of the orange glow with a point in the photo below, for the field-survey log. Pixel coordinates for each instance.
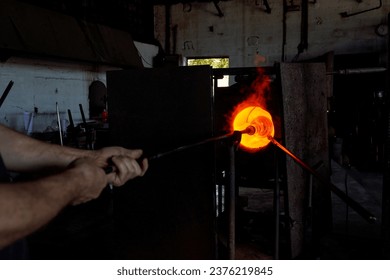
(251, 113)
(260, 119)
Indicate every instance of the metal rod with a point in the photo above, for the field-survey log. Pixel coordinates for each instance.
(352, 71)
(71, 123)
(385, 226)
(59, 124)
(89, 141)
(234, 136)
(182, 148)
(232, 203)
(220, 197)
(168, 29)
(6, 91)
(83, 116)
(346, 14)
(352, 203)
(219, 72)
(277, 206)
(303, 45)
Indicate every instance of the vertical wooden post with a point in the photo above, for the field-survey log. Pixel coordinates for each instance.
(304, 92)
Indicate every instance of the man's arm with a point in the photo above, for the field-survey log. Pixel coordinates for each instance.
(27, 206)
(22, 153)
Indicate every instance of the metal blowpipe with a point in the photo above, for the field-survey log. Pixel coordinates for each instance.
(234, 135)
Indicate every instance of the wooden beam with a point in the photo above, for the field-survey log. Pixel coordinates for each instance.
(304, 93)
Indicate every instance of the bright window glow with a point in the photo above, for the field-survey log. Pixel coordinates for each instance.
(214, 62)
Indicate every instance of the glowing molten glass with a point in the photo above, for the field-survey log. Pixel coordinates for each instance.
(261, 127)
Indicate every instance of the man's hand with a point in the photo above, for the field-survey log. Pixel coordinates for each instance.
(126, 168)
(125, 162)
(89, 175)
(88, 178)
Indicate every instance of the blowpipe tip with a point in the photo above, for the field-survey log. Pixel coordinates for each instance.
(250, 130)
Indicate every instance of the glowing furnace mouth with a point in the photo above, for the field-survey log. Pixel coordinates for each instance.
(258, 126)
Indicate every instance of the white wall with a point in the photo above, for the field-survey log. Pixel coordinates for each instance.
(41, 83)
(147, 52)
(251, 37)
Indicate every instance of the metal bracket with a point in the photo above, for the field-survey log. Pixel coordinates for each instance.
(346, 14)
(220, 14)
(267, 7)
(292, 7)
(265, 4)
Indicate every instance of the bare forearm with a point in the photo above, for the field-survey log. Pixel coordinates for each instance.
(21, 153)
(25, 207)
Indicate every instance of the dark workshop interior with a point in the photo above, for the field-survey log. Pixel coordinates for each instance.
(303, 175)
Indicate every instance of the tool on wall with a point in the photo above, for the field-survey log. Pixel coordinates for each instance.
(6, 91)
(59, 125)
(304, 43)
(346, 14)
(265, 3)
(88, 130)
(220, 13)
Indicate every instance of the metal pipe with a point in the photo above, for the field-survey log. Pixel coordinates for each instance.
(235, 136)
(87, 130)
(357, 71)
(83, 116)
(346, 14)
(284, 30)
(59, 124)
(352, 203)
(168, 28)
(6, 91)
(182, 148)
(232, 203)
(71, 123)
(303, 45)
(385, 226)
(277, 206)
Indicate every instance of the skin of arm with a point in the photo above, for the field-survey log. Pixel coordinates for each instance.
(79, 177)
(21, 153)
